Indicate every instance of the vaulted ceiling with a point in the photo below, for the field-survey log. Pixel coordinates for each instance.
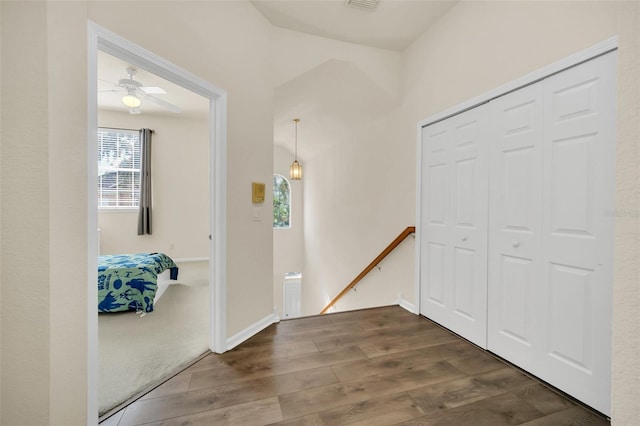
(393, 24)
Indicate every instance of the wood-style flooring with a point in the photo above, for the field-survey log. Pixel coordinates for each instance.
(382, 366)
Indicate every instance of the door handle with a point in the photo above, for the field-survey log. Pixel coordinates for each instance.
(515, 243)
(464, 238)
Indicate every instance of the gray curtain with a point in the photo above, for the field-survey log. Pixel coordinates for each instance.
(144, 212)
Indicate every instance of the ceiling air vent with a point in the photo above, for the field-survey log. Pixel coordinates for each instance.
(364, 4)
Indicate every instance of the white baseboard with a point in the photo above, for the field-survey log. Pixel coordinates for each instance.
(407, 305)
(251, 331)
(191, 259)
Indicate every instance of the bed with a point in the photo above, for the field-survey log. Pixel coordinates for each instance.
(128, 282)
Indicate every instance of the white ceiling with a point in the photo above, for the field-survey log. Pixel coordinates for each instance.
(112, 69)
(331, 101)
(336, 93)
(394, 24)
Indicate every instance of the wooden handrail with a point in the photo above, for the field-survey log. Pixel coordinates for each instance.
(400, 238)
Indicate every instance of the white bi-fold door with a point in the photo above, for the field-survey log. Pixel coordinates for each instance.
(577, 229)
(549, 177)
(454, 224)
(551, 239)
(515, 224)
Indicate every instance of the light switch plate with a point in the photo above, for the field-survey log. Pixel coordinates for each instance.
(257, 214)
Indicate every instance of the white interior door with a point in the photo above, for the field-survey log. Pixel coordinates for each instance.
(454, 224)
(579, 152)
(515, 206)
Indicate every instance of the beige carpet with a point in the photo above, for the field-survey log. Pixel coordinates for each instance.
(137, 351)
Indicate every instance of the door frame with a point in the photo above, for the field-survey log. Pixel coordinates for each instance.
(594, 51)
(100, 38)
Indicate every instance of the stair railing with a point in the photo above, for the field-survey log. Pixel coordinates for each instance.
(395, 243)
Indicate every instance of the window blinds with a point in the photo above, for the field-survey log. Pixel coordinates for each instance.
(118, 168)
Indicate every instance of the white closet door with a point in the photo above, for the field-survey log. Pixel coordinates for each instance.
(515, 206)
(454, 224)
(579, 148)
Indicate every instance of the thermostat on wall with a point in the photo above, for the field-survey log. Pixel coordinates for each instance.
(257, 192)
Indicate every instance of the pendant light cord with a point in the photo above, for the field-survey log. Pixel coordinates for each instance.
(295, 156)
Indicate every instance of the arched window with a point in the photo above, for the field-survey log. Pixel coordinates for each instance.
(281, 202)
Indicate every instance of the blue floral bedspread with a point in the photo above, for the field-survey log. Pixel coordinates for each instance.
(128, 282)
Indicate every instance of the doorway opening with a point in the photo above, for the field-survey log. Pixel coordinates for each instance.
(108, 42)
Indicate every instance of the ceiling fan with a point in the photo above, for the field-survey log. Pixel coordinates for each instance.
(135, 92)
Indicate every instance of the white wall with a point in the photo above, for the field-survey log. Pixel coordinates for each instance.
(385, 284)
(355, 199)
(180, 174)
(479, 46)
(44, 177)
(25, 217)
(287, 242)
(0, 219)
(226, 43)
(358, 198)
(626, 292)
(476, 47)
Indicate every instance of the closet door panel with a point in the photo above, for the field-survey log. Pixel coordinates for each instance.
(464, 283)
(579, 148)
(514, 299)
(469, 231)
(570, 338)
(437, 183)
(434, 292)
(436, 221)
(454, 218)
(515, 224)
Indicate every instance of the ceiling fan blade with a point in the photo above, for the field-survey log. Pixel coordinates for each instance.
(153, 90)
(107, 81)
(105, 86)
(164, 104)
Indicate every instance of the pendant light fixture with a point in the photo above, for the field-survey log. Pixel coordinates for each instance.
(295, 170)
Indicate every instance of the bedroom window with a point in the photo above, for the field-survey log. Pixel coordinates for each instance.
(281, 202)
(118, 168)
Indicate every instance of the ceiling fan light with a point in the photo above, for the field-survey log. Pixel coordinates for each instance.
(131, 101)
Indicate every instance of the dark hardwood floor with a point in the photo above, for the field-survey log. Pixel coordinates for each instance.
(382, 366)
